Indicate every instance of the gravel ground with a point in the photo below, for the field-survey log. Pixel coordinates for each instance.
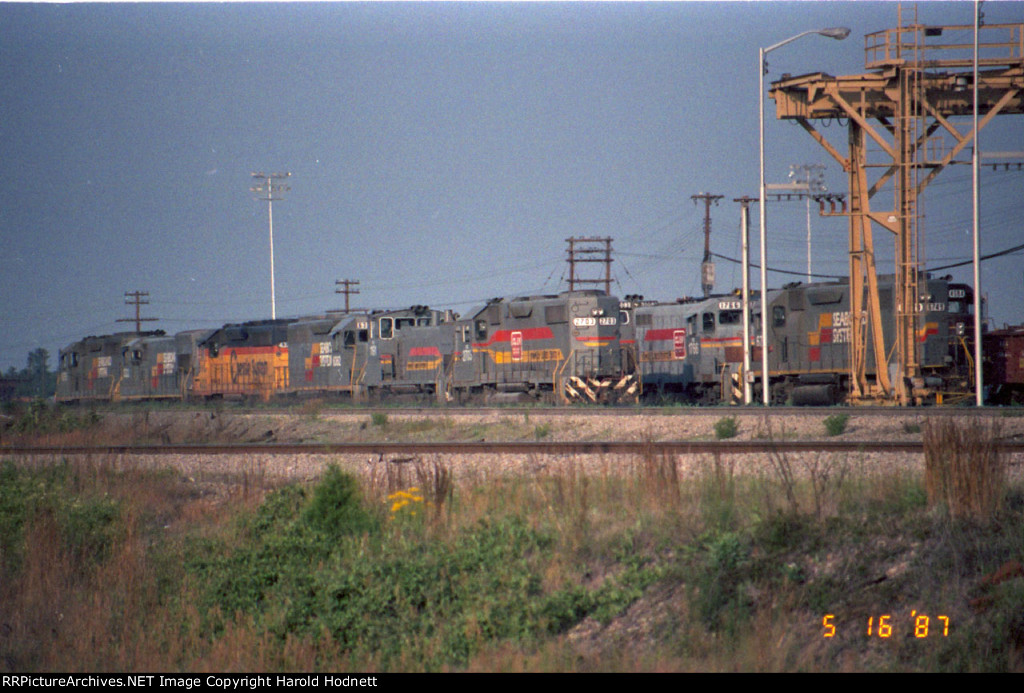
(228, 470)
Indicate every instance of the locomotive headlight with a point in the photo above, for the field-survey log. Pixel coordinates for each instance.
(960, 330)
(597, 312)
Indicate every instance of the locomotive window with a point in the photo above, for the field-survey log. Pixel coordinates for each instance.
(423, 322)
(778, 316)
(730, 317)
(364, 335)
(404, 322)
(644, 320)
(555, 314)
(481, 330)
(387, 328)
(349, 338)
(709, 322)
(520, 309)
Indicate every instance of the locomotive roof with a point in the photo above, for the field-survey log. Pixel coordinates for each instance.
(115, 338)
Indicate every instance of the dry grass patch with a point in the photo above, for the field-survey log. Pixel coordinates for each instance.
(965, 470)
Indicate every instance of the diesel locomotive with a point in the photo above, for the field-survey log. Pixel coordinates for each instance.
(577, 346)
(565, 347)
(693, 349)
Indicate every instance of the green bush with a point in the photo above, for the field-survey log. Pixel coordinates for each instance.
(726, 427)
(379, 418)
(835, 425)
(336, 509)
(720, 598)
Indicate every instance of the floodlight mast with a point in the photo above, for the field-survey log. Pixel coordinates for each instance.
(269, 189)
(838, 33)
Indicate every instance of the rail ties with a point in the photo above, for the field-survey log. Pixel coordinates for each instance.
(491, 448)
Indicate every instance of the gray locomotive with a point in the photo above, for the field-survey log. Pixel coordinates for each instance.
(692, 350)
(564, 347)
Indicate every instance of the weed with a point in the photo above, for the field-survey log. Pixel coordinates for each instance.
(312, 408)
(964, 468)
(726, 427)
(541, 431)
(718, 497)
(835, 425)
(379, 419)
(720, 600)
(911, 427)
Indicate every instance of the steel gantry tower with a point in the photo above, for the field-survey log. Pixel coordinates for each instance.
(917, 86)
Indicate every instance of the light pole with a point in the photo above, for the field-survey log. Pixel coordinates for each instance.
(975, 205)
(745, 262)
(268, 188)
(811, 178)
(838, 33)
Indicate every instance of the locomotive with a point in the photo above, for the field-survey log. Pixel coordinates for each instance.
(693, 349)
(564, 346)
(577, 346)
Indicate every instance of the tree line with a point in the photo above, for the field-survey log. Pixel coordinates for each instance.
(34, 380)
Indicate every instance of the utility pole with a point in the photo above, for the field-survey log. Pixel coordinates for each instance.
(745, 241)
(592, 246)
(348, 284)
(138, 303)
(707, 267)
(269, 188)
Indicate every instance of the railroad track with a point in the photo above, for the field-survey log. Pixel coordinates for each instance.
(604, 411)
(678, 447)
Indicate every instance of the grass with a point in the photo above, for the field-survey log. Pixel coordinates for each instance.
(647, 566)
(835, 425)
(726, 427)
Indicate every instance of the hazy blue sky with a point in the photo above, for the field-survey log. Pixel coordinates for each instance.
(441, 153)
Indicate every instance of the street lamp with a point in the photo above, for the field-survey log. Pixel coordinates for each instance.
(269, 188)
(838, 33)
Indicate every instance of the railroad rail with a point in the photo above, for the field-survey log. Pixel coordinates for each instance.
(679, 447)
(584, 410)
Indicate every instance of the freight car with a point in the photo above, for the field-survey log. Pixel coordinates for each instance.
(1004, 365)
(693, 349)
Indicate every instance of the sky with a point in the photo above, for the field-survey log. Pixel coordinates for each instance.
(440, 153)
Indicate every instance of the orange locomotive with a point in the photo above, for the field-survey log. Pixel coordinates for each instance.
(248, 360)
